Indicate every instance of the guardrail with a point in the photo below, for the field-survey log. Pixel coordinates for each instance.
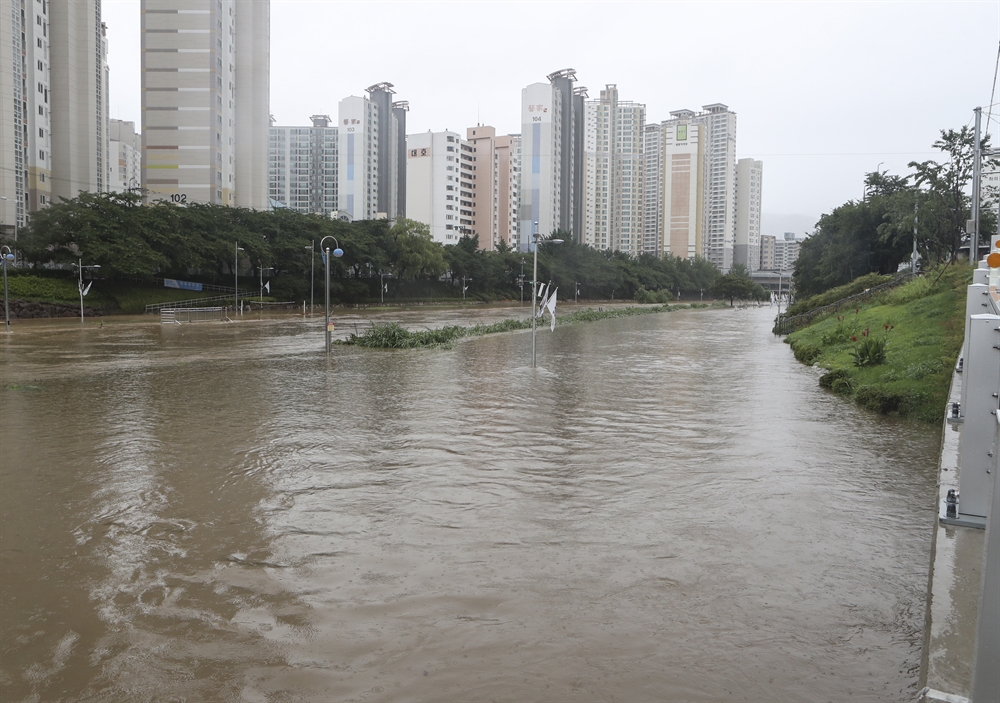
(787, 325)
(193, 303)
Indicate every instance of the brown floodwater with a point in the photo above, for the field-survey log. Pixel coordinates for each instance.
(667, 509)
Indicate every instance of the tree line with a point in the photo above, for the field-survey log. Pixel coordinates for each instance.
(876, 234)
(129, 239)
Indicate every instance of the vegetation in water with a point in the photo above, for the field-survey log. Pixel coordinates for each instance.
(393, 335)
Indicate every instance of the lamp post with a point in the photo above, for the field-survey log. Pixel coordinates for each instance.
(14, 252)
(464, 287)
(80, 267)
(236, 276)
(6, 256)
(576, 295)
(338, 252)
(534, 291)
(261, 270)
(521, 280)
(312, 277)
(381, 284)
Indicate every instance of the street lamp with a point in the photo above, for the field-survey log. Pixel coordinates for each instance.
(520, 280)
(312, 277)
(4, 197)
(576, 295)
(534, 291)
(6, 256)
(80, 267)
(261, 271)
(464, 287)
(338, 252)
(381, 284)
(236, 274)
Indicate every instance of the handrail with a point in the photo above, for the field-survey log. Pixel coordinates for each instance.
(787, 325)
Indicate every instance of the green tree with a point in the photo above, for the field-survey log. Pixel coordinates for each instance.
(412, 252)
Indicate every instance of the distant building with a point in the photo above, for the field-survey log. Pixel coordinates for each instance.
(786, 251)
(746, 247)
(494, 187)
(767, 243)
(436, 188)
(613, 186)
(720, 185)
(205, 93)
(125, 148)
(302, 166)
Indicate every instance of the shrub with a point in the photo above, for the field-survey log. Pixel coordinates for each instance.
(870, 351)
(653, 296)
(827, 379)
(846, 329)
(878, 399)
(805, 352)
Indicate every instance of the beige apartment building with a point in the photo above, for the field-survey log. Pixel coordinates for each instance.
(675, 193)
(494, 186)
(205, 114)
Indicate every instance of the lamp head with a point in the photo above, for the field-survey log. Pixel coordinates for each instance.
(556, 241)
(338, 252)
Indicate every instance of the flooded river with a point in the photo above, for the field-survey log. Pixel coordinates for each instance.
(667, 509)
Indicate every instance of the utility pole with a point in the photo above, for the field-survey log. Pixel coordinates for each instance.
(977, 168)
(913, 259)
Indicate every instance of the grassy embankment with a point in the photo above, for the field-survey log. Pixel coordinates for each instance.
(895, 353)
(109, 296)
(392, 335)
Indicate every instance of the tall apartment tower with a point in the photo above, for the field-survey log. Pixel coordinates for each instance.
(552, 131)
(673, 201)
(746, 247)
(302, 163)
(125, 168)
(767, 247)
(205, 88)
(614, 173)
(357, 158)
(494, 194)
(25, 111)
(720, 184)
(391, 126)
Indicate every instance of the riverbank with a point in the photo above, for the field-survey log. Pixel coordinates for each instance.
(893, 354)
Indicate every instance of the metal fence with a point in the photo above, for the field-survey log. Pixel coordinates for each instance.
(192, 315)
(786, 325)
(194, 303)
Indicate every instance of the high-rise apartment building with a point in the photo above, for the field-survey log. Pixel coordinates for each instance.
(205, 88)
(614, 173)
(53, 105)
(767, 243)
(720, 185)
(552, 130)
(125, 168)
(746, 247)
(372, 155)
(302, 166)
(494, 186)
(675, 186)
(438, 189)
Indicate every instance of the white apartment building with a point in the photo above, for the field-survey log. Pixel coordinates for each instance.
(675, 186)
(494, 186)
(720, 185)
(746, 247)
(302, 166)
(25, 110)
(205, 86)
(613, 144)
(357, 158)
(541, 150)
(438, 188)
(786, 251)
(125, 167)
(53, 105)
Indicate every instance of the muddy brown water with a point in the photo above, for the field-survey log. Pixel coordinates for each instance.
(667, 509)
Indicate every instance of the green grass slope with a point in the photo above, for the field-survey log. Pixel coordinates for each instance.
(895, 353)
(110, 296)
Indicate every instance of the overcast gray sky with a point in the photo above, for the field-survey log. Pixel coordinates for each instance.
(824, 91)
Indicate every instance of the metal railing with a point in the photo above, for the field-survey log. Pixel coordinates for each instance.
(193, 303)
(786, 325)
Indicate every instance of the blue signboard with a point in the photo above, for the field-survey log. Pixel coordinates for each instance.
(183, 285)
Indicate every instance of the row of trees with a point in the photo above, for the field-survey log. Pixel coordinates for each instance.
(876, 234)
(196, 242)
